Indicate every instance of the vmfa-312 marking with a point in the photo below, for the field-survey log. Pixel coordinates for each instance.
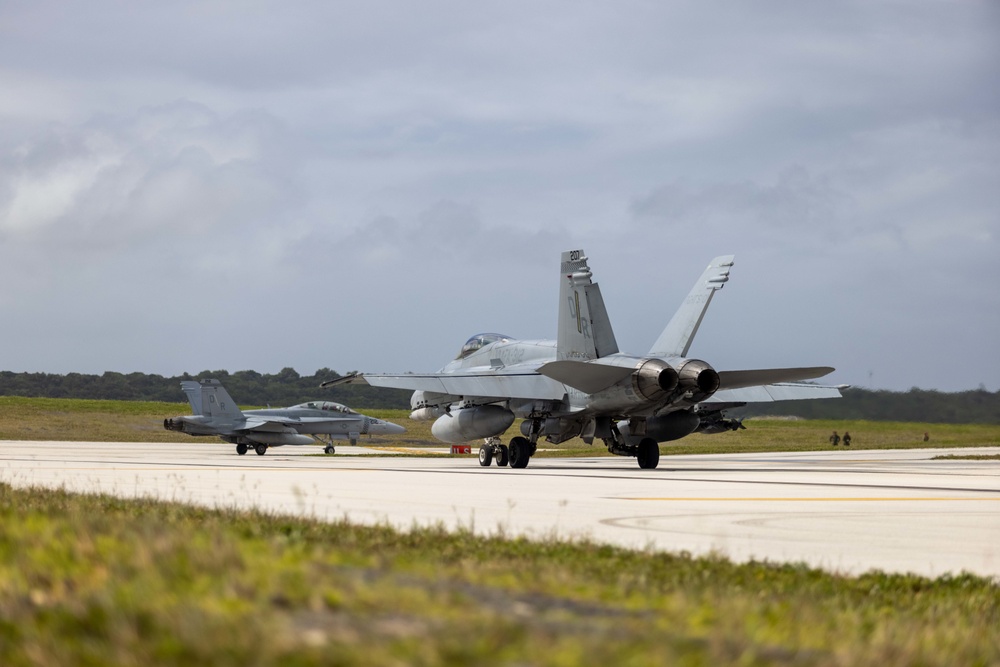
(581, 385)
(215, 413)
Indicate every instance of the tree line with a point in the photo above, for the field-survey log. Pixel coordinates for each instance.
(287, 387)
(281, 389)
(916, 405)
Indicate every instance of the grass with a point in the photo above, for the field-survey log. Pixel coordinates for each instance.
(96, 580)
(971, 457)
(137, 421)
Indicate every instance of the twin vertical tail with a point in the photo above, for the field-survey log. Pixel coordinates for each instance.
(192, 390)
(675, 341)
(210, 398)
(584, 330)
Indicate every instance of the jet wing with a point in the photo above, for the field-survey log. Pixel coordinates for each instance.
(592, 376)
(486, 384)
(774, 392)
(739, 379)
(268, 425)
(273, 424)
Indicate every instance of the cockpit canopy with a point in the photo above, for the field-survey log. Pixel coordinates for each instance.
(326, 405)
(481, 340)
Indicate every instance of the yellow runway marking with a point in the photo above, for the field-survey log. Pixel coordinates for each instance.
(821, 499)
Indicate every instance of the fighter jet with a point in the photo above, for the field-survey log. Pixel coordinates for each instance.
(581, 385)
(215, 413)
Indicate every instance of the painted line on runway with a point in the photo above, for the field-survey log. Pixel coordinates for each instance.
(819, 499)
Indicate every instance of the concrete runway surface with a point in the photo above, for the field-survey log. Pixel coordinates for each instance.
(847, 511)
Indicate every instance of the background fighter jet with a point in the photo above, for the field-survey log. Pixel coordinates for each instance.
(215, 413)
(581, 385)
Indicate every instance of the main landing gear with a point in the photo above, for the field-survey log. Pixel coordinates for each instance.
(647, 451)
(329, 449)
(242, 448)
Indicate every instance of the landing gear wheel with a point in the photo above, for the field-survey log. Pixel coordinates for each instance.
(503, 456)
(519, 452)
(649, 453)
(261, 449)
(485, 456)
(241, 449)
(329, 449)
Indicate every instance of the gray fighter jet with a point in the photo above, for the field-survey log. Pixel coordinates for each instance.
(215, 413)
(581, 385)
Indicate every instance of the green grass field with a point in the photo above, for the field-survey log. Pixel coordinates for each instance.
(96, 580)
(128, 421)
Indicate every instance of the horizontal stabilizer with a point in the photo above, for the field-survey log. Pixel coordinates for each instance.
(588, 377)
(738, 379)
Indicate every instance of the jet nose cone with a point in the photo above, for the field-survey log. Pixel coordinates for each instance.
(392, 429)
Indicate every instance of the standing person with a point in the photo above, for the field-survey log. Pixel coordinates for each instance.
(847, 439)
(835, 439)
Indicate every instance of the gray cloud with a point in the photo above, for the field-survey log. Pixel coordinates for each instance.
(363, 185)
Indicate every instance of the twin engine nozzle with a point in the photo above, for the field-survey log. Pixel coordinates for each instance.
(698, 377)
(655, 379)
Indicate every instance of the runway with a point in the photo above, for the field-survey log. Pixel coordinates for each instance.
(846, 511)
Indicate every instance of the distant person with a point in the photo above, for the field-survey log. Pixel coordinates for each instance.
(847, 439)
(835, 439)
(927, 436)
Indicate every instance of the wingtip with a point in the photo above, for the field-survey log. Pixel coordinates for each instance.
(344, 379)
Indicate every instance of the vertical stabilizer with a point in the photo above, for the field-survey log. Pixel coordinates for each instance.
(584, 330)
(676, 338)
(193, 391)
(217, 404)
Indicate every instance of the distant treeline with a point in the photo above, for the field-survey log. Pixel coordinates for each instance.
(288, 388)
(916, 405)
(246, 387)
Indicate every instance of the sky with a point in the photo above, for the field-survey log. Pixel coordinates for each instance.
(191, 186)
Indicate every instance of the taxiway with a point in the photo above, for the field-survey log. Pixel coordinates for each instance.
(847, 511)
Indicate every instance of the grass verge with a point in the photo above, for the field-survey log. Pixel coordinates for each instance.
(99, 580)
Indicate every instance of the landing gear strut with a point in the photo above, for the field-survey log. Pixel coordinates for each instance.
(647, 451)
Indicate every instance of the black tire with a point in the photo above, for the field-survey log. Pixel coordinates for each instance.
(485, 456)
(261, 449)
(241, 449)
(503, 456)
(519, 452)
(649, 453)
(329, 449)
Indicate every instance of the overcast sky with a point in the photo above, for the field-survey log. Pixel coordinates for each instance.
(362, 185)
